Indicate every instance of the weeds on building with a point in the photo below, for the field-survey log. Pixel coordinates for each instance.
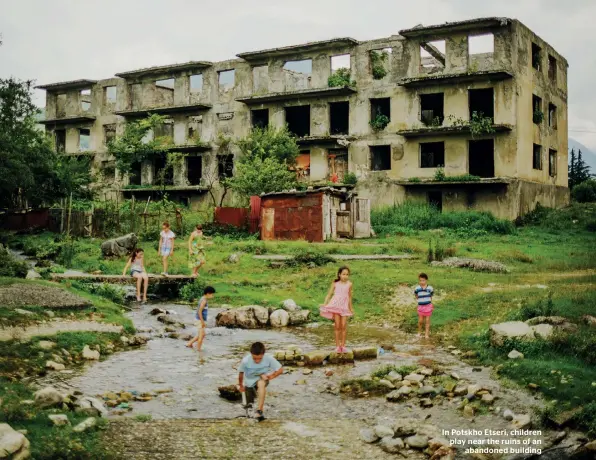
(379, 122)
(478, 124)
(350, 178)
(340, 78)
(538, 116)
(378, 62)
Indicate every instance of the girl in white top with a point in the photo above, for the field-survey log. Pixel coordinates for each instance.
(137, 270)
(166, 246)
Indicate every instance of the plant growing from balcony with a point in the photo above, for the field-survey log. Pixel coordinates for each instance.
(478, 124)
(414, 179)
(340, 78)
(538, 116)
(378, 60)
(379, 121)
(439, 175)
(350, 178)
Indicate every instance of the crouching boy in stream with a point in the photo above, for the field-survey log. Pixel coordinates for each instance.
(255, 372)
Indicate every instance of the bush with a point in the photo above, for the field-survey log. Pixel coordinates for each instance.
(108, 291)
(585, 192)
(11, 266)
(543, 307)
(191, 292)
(379, 122)
(341, 77)
(228, 231)
(576, 216)
(350, 179)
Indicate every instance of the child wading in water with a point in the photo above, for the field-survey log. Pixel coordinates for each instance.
(166, 245)
(196, 250)
(201, 317)
(340, 307)
(424, 294)
(137, 270)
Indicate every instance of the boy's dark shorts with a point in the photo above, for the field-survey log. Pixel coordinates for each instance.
(251, 392)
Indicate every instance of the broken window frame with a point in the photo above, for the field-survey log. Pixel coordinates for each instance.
(380, 107)
(164, 130)
(336, 57)
(480, 113)
(302, 173)
(82, 137)
(552, 162)
(106, 95)
(484, 170)
(225, 166)
(536, 55)
(255, 118)
(190, 83)
(552, 116)
(135, 174)
(437, 160)
(189, 168)
(221, 75)
(384, 162)
(537, 109)
(537, 157)
(60, 140)
(296, 109)
(161, 83)
(473, 38)
(106, 129)
(337, 165)
(552, 69)
(429, 50)
(160, 163)
(436, 119)
(341, 128)
(291, 62)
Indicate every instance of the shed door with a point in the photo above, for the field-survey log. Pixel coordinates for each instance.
(267, 224)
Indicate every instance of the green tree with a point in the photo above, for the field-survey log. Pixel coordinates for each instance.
(135, 144)
(578, 170)
(270, 143)
(29, 168)
(255, 176)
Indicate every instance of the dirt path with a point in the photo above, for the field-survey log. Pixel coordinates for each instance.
(55, 327)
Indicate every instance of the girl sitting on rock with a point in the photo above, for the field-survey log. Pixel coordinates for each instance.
(340, 307)
(137, 270)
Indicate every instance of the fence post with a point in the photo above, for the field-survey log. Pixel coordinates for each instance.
(69, 214)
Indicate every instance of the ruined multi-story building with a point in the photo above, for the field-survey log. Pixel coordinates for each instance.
(421, 115)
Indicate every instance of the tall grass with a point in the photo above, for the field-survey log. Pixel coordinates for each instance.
(421, 216)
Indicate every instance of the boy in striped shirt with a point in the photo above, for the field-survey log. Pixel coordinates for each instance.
(424, 295)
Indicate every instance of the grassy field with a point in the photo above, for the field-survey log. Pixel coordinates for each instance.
(549, 256)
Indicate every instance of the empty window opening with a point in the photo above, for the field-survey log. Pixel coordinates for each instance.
(225, 166)
(435, 199)
(432, 109)
(537, 157)
(165, 130)
(260, 118)
(341, 61)
(339, 117)
(536, 56)
(60, 140)
(109, 133)
(193, 132)
(537, 113)
(304, 66)
(380, 112)
(298, 120)
(552, 163)
(60, 105)
(194, 170)
(481, 102)
(552, 116)
(432, 155)
(481, 44)
(226, 79)
(432, 54)
(167, 84)
(196, 83)
(380, 157)
(303, 165)
(481, 158)
(552, 69)
(134, 175)
(110, 94)
(164, 173)
(85, 92)
(337, 165)
(84, 139)
(85, 106)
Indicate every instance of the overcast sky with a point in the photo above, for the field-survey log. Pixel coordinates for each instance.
(59, 40)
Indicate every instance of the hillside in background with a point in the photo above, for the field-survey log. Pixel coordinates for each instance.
(588, 156)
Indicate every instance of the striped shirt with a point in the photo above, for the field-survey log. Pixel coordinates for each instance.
(424, 296)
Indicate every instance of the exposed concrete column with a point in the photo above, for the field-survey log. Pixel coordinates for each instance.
(147, 172)
(181, 173)
(276, 76)
(321, 70)
(182, 90)
(456, 50)
(319, 119)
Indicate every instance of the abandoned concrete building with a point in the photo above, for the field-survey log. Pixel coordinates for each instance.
(470, 114)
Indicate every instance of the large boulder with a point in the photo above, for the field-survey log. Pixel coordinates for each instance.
(509, 330)
(299, 317)
(119, 247)
(289, 305)
(279, 318)
(226, 318)
(248, 317)
(13, 445)
(544, 331)
(48, 397)
(553, 320)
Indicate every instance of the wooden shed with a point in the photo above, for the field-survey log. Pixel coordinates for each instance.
(314, 215)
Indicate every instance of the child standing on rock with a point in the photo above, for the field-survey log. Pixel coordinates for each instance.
(340, 307)
(166, 245)
(201, 317)
(424, 295)
(137, 270)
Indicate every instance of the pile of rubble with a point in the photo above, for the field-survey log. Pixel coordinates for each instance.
(255, 316)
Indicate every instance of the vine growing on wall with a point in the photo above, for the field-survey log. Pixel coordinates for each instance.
(378, 60)
(379, 121)
(341, 77)
(478, 124)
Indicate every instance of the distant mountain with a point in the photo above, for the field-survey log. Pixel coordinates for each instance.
(588, 156)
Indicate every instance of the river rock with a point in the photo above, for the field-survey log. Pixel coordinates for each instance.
(48, 397)
(279, 318)
(299, 317)
(426, 390)
(514, 354)
(426, 402)
(316, 358)
(387, 383)
(417, 442)
(391, 445)
(468, 411)
(341, 358)
(368, 435)
(59, 419)
(405, 427)
(13, 445)
(544, 331)
(416, 378)
(20, 311)
(508, 414)
(85, 425)
(230, 392)
(289, 305)
(90, 406)
(55, 366)
(90, 354)
(394, 377)
(119, 247)
(166, 319)
(365, 353)
(488, 398)
(383, 430)
(521, 421)
(509, 330)
(233, 258)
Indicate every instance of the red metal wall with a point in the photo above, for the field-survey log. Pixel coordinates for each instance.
(294, 217)
(255, 214)
(238, 217)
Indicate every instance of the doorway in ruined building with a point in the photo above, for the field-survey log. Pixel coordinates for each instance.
(164, 173)
(337, 165)
(339, 117)
(194, 170)
(481, 158)
(60, 140)
(432, 109)
(260, 118)
(134, 175)
(482, 102)
(435, 199)
(298, 120)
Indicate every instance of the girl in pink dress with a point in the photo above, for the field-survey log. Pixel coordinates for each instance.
(340, 307)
